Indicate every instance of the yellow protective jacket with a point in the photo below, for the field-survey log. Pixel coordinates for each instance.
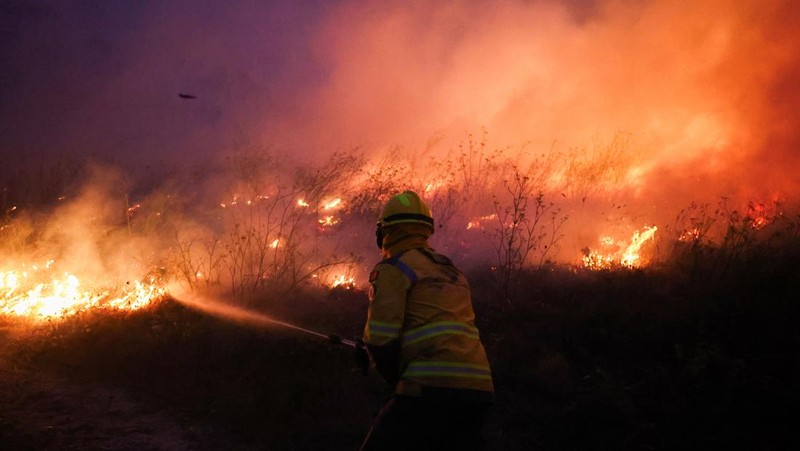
(420, 327)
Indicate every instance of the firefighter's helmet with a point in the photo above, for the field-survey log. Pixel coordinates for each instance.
(406, 207)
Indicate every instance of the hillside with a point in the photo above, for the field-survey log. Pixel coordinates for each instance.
(616, 359)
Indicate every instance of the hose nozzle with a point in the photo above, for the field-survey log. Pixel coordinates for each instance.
(338, 340)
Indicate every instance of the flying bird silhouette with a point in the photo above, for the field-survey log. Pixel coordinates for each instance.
(186, 96)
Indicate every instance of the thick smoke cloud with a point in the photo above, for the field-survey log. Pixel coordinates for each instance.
(702, 89)
(705, 92)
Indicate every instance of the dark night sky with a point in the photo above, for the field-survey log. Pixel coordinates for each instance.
(102, 78)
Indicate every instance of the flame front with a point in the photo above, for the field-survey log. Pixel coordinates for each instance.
(38, 294)
(617, 253)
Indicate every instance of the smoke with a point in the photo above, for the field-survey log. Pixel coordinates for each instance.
(672, 102)
(88, 235)
(702, 89)
(710, 84)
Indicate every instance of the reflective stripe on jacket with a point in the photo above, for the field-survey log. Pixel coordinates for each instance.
(421, 299)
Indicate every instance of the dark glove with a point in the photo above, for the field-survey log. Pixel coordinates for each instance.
(385, 359)
(361, 356)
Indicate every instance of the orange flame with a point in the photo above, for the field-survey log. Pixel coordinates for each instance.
(343, 281)
(36, 294)
(618, 253)
(477, 223)
(690, 235)
(761, 214)
(332, 204)
(328, 221)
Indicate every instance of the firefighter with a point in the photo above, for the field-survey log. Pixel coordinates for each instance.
(421, 338)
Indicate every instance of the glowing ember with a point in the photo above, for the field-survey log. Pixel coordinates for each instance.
(761, 214)
(248, 202)
(275, 243)
(690, 235)
(38, 294)
(617, 253)
(432, 187)
(328, 221)
(302, 203)
(332, 204)
(231, 203)
(477, 223)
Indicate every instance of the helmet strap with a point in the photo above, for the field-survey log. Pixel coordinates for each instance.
(379, 235)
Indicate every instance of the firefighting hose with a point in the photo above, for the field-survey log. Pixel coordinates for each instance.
(332, 338)
(241, 315)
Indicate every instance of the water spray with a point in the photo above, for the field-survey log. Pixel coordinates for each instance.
(247, 316)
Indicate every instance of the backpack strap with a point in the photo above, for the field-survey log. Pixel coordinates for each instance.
(395, 261)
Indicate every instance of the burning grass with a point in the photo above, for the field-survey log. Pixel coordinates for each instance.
(37, 293)
(618, 253)
(649, 338)
(661, 357)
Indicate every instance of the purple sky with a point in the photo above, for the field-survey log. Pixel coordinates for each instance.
(102, 78)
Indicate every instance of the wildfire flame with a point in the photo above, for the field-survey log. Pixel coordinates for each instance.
(36, 293)
(477, 223)
(761, 214)
(327, 221)
(618, 253)
(690, 235)
(332, 204)
(343, 281)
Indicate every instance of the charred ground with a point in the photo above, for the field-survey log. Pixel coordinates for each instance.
(694, 353)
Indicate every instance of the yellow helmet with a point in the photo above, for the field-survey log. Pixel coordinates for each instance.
(406, 207)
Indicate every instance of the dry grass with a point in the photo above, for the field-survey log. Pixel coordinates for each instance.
(624, 359)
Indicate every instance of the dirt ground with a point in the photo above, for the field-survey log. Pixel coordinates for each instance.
(44, 411)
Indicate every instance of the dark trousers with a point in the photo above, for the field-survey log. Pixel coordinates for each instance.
(411, 423)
